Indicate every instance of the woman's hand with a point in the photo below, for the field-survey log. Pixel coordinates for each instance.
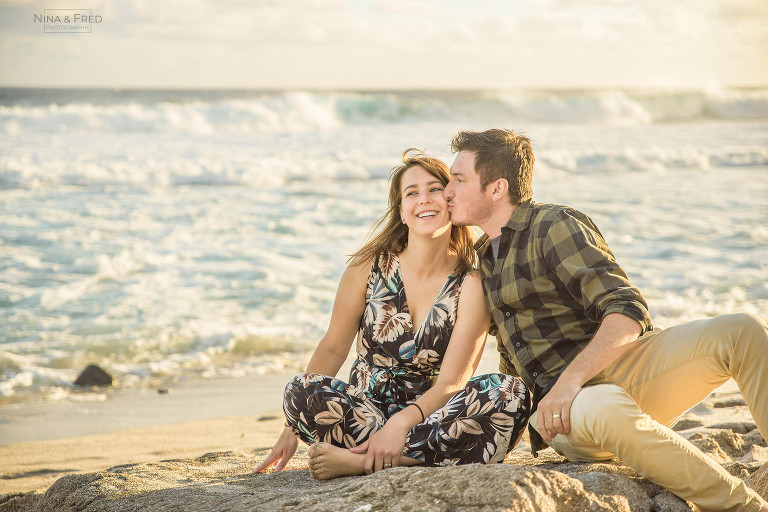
(383, 448)
(281, 453)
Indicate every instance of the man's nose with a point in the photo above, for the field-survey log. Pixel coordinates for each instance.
(448, 191)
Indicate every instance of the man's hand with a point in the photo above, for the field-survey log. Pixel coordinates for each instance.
(553, 415)
(614, 337)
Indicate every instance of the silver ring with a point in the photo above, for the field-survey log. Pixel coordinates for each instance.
(387, 465)
(555, 416)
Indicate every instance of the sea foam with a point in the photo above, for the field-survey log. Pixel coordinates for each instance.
(170, 235)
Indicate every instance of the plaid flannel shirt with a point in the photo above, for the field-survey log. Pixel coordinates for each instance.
(553, 282)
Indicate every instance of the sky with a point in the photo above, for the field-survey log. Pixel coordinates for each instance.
(390, 44)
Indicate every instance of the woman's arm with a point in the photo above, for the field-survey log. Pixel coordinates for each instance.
(459, 363)
(348, 308)
(332, 350)
(464, 349)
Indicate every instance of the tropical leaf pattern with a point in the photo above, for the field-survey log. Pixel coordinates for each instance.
(479, 424)
(386, 338)
(395, 366)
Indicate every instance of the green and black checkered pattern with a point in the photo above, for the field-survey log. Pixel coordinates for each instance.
(554, 281)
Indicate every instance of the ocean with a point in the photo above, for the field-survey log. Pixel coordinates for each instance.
(172, 235)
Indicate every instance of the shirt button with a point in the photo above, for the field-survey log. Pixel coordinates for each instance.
(535, 374)
(507, 313)
(517, 344)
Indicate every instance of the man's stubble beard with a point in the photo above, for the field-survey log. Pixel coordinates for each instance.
(475, 216)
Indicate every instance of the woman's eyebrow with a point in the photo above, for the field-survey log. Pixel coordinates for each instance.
(430, 183)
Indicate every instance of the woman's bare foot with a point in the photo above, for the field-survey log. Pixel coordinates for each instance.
(327, 461)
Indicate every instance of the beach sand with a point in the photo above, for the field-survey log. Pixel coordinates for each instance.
(42, 442)
(36, 465)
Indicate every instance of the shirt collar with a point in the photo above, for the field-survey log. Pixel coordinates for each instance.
(519, 220)
(521, 217)
(481, 242)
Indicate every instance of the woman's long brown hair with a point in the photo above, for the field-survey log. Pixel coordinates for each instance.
(389, 234)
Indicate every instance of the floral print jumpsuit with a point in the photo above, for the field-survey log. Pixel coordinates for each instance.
(395, 366)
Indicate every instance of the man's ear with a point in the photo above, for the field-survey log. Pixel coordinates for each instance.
(500, 188)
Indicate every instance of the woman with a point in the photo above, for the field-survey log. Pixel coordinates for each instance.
(418, 311)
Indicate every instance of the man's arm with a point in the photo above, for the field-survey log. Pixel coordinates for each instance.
(575, 250)
(614, 337)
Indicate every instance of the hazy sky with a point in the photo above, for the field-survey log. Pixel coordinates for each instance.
(391, 44)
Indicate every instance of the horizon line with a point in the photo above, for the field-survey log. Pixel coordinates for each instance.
(397, 89)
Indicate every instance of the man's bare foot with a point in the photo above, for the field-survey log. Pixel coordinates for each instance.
(327, 461)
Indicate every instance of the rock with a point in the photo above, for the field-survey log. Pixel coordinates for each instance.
(756, 454)
(754, 437)
(94, 376)
(722, 445)
(729, 402)
(759, 481)
(19, 501)
(686, 423)
(223, 481)
(740, 427)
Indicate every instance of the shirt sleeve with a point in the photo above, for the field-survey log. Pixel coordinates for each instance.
(575, 250)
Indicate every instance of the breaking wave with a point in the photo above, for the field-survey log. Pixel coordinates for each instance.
(36, 111)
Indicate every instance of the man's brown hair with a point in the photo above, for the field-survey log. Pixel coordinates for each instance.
(500, 154)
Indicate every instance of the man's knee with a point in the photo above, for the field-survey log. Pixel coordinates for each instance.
(740, 324)
(599, 411)
(740, 334)
(753, 325)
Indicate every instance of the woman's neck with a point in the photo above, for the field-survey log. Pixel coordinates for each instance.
(430, 256)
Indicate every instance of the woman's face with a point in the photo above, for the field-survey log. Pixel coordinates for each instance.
(422, 206)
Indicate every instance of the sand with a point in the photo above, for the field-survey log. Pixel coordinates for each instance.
(36, 465)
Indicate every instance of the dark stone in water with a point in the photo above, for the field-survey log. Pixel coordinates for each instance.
(94, 376)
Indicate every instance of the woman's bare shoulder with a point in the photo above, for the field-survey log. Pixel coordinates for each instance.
(473, 279)
(472, 287)
(359, 267)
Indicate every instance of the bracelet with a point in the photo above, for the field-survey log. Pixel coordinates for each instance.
(420, 411)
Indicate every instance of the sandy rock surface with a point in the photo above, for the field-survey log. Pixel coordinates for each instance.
(222, 481)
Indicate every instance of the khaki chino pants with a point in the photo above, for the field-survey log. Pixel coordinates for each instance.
(627, 409)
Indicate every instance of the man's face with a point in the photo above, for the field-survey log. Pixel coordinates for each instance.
(468, 203)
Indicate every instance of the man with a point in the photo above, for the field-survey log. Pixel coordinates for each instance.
(568, 321)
